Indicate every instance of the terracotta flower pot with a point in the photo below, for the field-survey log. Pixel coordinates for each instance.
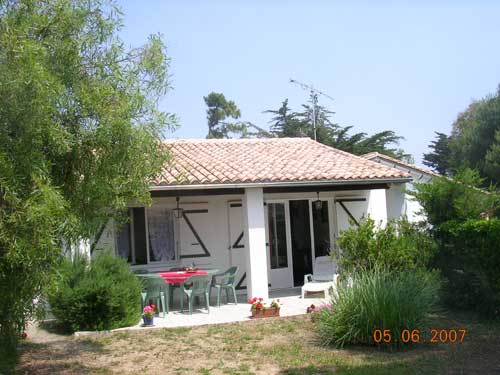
(266, 313)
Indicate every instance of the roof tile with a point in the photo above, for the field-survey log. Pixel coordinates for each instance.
(229, 161)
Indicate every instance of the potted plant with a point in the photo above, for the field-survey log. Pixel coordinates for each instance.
(259, 308)
(148, 314)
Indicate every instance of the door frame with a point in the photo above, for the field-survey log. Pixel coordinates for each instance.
(332, 223)
(288, 241)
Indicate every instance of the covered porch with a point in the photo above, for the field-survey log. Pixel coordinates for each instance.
(267, 206)
(273, 237)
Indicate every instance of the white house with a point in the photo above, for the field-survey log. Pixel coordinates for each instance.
(411, 208)
(269, 206)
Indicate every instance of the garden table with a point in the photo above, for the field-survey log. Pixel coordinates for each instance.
(175, 278)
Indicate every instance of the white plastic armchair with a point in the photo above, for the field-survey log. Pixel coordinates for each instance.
(324, 277)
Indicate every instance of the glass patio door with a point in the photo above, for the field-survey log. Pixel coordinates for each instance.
(278, 249)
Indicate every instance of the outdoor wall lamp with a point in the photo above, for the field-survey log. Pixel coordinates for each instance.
(178, 212)
(318, 203)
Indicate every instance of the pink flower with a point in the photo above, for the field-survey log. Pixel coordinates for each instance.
(148, 309)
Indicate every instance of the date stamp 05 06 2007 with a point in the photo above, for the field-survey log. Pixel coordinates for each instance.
(414, 336)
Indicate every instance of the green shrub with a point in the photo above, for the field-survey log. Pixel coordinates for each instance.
(378, 299)
(102, 295)
(458, 199)
(399, 246)
(469, 260)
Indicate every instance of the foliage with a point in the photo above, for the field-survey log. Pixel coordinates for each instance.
(474, 141)
(219, 109)
(439, 158)
(288, 123)
(285, 122)
(468, 255)
(80, 131)
(400, 245)
(456, 199)
(469, 260)
(378, 299)
(476, 137)
(102, 295)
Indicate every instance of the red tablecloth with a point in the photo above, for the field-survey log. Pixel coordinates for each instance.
(175, 277)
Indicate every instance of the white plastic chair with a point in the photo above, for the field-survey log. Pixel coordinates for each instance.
(324, 277)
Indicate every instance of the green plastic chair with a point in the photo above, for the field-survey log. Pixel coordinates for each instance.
(141, 272)
(226, 281)
(195, 286)
(156, 289)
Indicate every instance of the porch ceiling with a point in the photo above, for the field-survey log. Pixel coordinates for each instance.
(268, 190)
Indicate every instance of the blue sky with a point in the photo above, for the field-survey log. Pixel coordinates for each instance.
(406, 66)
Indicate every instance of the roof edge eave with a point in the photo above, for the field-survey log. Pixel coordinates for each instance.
(280, 183)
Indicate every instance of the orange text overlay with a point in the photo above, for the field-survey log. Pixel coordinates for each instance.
(415, 336)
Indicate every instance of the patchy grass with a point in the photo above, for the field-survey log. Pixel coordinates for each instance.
(286, 346)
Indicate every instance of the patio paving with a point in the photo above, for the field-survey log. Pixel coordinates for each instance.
(291, 304)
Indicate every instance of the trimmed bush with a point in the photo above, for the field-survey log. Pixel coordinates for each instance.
(378, 299)
(100, 296)
(399, 246)
(469, 260)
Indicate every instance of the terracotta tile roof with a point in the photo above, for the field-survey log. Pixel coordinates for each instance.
(377, 155)
(265, 160)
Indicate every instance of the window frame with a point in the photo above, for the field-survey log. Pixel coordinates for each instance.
(149, 262)
(176, 259)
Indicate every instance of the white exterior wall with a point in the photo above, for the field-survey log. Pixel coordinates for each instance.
(411, 208)
(255, 241)
(396, 200)
(377, 206)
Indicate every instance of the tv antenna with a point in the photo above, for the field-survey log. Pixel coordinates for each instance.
(314, 98)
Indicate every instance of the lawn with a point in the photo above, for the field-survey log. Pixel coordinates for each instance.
(285, 346)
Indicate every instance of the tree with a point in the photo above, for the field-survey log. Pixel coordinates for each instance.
(325, 128)
(439, 158)
(456, 199)
(474, 141)
(287, 123)
(467, 258)
(81, 138)
(380, 142)
(219, 109)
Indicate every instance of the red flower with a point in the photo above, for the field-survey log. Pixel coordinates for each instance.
(261, 299)
(258, 306)
(24, 335)
(153, 306)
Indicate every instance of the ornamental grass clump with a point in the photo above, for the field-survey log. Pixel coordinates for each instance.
(378, 299)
